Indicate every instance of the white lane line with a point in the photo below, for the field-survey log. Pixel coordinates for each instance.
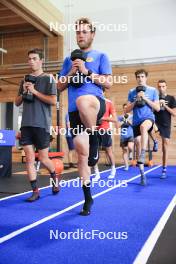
(45, 219)
(19, 194)
(42, 188)
(147, 248)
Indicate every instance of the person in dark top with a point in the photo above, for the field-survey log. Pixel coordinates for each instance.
(37, 93)
(163, 121)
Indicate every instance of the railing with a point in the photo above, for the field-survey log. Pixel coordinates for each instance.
(117, 63)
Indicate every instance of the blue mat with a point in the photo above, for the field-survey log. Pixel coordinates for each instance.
(130, 213)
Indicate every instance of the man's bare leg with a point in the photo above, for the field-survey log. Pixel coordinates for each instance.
(130, 150)
(110, 154)
(144, 128)
(125, 157)
(88, 107)
(165, 146)
(141, 166)
(31, 172)
(137, 141)
(46, 161)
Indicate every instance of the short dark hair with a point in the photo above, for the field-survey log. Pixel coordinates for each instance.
(162, 81)
(36, 51)
(141, 71)
(85, 20)
(125, 104)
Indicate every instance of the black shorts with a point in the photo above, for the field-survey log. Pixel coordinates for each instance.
(164, 131)
(124, 143)
(136, 129)
(105, 140)
(75, 120)
(36, 136)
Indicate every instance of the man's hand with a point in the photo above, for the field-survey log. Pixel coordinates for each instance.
(73, 70)
(30, 87)
(63, 82)
(25, 87)
(155, 105)
(140, 95)
(80, 65)
(162, 102)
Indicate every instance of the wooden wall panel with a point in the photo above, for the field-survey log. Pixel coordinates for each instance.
(10, 76)
(118, 94)
(55, 48)
(18, 44)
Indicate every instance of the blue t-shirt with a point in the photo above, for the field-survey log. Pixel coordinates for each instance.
(98, 63)
(142, 113)
(126, 132)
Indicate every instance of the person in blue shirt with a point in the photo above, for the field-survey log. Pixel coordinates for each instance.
(86, 104)
(142, 100)
(126, 136)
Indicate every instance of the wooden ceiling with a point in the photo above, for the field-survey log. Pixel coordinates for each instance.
(25, 16)
(11, 22)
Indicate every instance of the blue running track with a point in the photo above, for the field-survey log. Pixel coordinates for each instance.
(34, 233)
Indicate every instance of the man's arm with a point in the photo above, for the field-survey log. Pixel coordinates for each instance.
(130, 106)
(172, 111)
(155, 105)
(18, 100)
(120, 123)
(112, 114)
(105, 80)
(131, 102)
(62, 83)
(125, 120)
(65, 80)
(68, 70)
(48, 99)
(104, 76)
(109, 119)
(113, 119)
